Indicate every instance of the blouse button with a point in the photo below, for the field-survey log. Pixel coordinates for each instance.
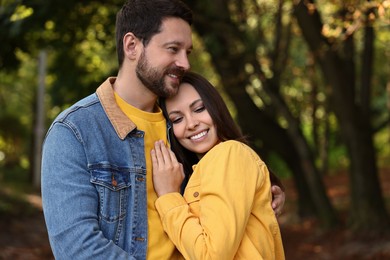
(196, 194)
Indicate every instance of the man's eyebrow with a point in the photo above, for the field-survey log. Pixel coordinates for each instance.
(178, 43)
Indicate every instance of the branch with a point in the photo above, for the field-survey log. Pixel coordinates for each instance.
(382, 125)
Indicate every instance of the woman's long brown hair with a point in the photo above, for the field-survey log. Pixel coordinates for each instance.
(227, 129)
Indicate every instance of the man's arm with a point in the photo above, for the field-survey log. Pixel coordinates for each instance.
(70, 201)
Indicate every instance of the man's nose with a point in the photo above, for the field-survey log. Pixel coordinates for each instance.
(182, 61)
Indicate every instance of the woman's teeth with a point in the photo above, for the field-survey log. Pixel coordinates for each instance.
(198, 135)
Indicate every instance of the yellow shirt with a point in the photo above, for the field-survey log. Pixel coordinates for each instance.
(155, 128)
(226, 211)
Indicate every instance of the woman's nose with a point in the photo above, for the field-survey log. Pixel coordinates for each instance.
(192, 123)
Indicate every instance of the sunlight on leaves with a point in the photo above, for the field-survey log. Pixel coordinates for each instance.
(21, 12)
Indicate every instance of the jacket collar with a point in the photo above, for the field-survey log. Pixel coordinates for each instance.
(121, 123)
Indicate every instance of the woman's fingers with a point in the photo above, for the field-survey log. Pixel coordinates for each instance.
(172, 156)
(159, 155)
(168, 173)
(154, 158)
(165, 152)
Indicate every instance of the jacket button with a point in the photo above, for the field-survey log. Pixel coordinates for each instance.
(113, 181)
(196, 194)
(140, 178)
(140, 239)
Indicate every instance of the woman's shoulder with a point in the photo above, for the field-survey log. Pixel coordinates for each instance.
(233, 147)
(230, 154)
(231, 144)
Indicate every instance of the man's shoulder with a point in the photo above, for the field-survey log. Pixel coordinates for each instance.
(89, 105)
(84, 106)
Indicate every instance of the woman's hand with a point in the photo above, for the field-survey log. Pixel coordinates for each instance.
(168, 173)
(278, 198)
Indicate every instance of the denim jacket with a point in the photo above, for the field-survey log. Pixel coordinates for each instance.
(94, 181)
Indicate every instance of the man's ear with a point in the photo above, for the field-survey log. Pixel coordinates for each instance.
(131, 45)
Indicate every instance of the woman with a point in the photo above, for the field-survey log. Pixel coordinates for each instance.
(225, 211)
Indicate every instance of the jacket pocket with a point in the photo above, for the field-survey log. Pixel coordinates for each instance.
(113, 187)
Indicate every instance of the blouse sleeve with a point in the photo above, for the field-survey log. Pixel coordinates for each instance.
(230, 175)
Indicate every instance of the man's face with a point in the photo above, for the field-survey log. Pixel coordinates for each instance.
(164, 60)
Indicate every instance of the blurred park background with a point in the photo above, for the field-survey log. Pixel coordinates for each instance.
(308, 81)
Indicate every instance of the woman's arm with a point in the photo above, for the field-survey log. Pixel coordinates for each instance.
(228, 181)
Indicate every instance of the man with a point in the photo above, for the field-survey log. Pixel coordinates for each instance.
(97, 190)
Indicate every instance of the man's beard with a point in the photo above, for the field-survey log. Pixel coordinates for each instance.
(153, 79)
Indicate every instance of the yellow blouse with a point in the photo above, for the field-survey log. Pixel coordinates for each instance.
(226, 211)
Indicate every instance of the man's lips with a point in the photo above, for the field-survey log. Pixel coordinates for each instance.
(175, 73)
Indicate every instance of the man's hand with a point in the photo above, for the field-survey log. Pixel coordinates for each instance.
(278, 199)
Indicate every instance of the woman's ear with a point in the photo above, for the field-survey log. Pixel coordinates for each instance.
(130, 44)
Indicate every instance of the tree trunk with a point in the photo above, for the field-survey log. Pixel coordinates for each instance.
(367, 206)
(273, 137)
(221, 38)
(39, 125)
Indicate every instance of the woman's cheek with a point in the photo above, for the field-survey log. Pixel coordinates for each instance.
(178, 131)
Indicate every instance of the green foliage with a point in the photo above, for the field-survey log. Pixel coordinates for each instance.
(79, 38)
(17, 92)
(382, 141)
(278, 166)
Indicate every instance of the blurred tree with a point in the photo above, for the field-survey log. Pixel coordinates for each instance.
(250, 60)
(79, 37)
(350, 95)
(288, 95)
(250, 47)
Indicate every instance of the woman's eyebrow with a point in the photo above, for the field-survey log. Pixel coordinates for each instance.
(192, 104)
(174, 112)
(195, 102)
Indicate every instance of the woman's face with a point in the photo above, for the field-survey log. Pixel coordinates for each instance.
(192, 124)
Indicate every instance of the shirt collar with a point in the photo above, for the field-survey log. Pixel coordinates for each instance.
(121, 123)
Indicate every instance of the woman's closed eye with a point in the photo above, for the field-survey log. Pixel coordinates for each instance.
(200, 109)
(176, 120)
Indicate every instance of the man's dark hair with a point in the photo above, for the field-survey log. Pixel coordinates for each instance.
(144, 18)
